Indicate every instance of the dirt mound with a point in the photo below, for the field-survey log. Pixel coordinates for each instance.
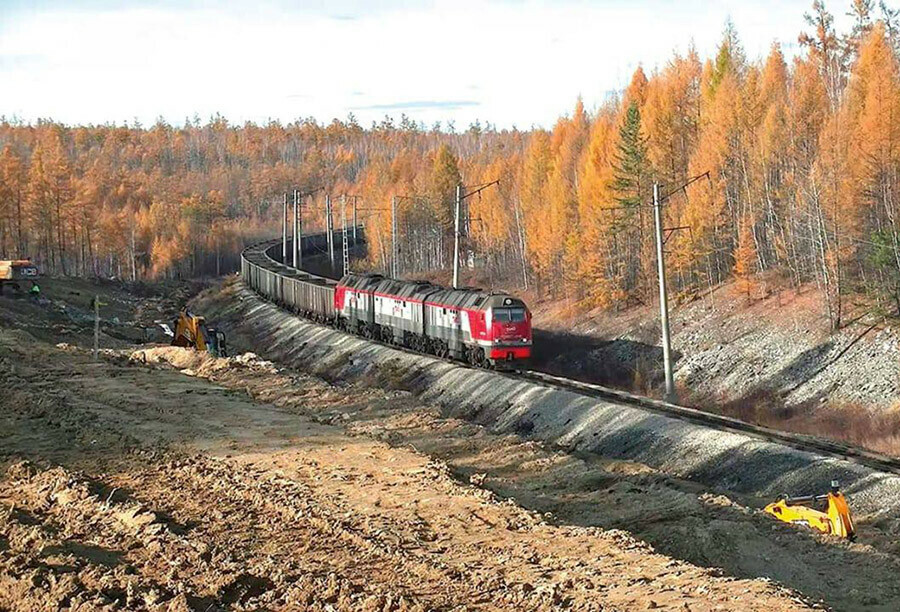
(249, 485)
(615, 489)
(198, 363)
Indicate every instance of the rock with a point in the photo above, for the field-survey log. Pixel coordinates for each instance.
(135, 517)
(23, 470)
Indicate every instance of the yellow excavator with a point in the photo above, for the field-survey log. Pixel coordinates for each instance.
(190, 330)
(828, 513)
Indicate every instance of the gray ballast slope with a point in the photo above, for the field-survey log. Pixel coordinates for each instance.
(725, 460)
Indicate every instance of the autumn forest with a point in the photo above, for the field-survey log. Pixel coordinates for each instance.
(799, 160)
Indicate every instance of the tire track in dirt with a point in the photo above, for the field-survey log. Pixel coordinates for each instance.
(463, 533)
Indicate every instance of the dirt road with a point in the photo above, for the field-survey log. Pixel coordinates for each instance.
(130, 486)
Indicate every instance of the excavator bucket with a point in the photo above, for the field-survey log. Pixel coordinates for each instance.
(828, 513)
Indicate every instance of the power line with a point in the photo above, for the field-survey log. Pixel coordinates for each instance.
(475, 189)
(662, 199)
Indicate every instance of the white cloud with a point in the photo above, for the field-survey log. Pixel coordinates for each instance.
(509, 63)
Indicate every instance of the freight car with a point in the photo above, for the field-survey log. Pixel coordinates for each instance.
(482, 328)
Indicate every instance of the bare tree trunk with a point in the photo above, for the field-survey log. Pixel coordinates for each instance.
(59, 233)
(521, 235)
(83, 247)
(133, 256)
(94, 263)
(20, 246)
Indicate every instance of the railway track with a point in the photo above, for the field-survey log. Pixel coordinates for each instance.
(267, 276)
(813, 444)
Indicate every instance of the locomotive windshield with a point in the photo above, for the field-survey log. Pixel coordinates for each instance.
(505, 315)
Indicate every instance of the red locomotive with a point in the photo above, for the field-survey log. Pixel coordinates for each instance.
(481, 328)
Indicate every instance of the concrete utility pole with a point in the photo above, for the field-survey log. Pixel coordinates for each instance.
(284, 216)
(456, 237)
(354, 222)
(393, 236)
(346, 248)
(297, 229)
(671, 395)
(329, 227)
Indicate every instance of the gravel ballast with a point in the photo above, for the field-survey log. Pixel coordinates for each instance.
(734, 462)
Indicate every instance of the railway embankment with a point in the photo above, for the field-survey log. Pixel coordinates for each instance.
(773, 360)
(736, 462)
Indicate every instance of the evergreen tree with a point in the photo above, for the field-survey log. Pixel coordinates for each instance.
(861, 12)
(631, 164)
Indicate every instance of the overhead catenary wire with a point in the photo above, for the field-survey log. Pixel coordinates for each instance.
(463, 192)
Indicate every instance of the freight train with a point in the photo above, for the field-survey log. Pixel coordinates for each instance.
(486, 329)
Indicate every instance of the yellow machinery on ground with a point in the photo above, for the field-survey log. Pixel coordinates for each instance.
(190, 330)
(832, 516)
(15, 272)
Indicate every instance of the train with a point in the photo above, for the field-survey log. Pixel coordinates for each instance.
(483, 328)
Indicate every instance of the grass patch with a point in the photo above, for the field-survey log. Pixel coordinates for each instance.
(874, 429)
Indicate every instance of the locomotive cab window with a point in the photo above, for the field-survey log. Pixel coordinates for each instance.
(506, 315)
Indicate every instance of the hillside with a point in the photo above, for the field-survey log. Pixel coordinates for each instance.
(771, 360)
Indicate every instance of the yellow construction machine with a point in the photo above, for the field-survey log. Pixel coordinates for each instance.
(828, 513)
(15, 272)
(190, 330)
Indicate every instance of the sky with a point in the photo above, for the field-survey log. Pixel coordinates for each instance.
(512, 63)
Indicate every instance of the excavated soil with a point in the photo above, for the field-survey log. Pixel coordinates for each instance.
(163, 479)
(131, 485)
(714, 522)
(727, 534)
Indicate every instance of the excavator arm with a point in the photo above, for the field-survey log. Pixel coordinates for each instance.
(831, 517)
(191, 331)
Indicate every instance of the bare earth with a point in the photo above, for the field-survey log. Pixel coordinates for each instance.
(131, 485)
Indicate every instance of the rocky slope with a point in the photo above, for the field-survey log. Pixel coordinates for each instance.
(771, 360)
